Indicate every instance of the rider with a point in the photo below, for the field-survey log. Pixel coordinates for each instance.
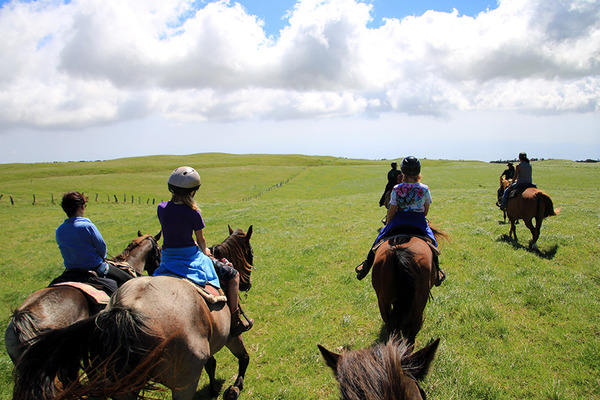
(81, 244)
(523, 174)
(392, 180)
(180, 218)
(508, 173)
(409, 205)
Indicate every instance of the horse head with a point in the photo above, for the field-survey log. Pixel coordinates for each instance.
(387, 371)
(238, 250)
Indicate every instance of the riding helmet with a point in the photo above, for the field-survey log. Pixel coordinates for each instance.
(183, 181)
(411, 166)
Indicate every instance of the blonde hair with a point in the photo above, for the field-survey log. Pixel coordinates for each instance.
(416, 178)
(187, 199)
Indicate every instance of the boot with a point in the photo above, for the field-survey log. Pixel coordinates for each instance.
(239, 326)
(364, 267)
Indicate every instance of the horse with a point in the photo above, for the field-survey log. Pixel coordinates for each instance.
(504, 184)
(402, 276)
(531, 203)
(155, 330)
(59, 306)
(389, 371)
(236, 248)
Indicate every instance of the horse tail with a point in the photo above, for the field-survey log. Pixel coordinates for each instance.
(405, 267)
(106, 347)
(25, 325)
(548, 205)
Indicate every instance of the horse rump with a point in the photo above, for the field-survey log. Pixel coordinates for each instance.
(99, 356)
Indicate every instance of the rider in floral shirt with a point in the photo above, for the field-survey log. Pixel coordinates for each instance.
(409, 205)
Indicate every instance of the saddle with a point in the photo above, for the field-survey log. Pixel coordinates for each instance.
(211, 294)
(515, 191)
(408, 231)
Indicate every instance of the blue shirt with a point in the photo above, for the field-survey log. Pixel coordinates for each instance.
(80, 243)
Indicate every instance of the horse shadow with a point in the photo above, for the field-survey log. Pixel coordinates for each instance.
(205, 392)
(547, 254)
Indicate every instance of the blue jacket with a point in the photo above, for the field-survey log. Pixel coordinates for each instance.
(80, 243)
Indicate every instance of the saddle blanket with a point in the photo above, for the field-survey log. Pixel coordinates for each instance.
(97, 295)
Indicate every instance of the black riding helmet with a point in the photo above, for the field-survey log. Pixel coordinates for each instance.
(183, 181)
(411, 166)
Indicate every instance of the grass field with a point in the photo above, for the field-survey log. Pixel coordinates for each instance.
(514, 324)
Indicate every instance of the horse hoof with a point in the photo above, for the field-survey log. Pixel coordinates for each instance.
(232, 393)
(533, 246)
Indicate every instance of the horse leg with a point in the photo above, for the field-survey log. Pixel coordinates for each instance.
(513, 231)
(385, 309)
(185, 393)
(534, 233)
(237, 348)
(211, 368)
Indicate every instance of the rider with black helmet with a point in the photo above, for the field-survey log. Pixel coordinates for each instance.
(181, 221)
(409, 205)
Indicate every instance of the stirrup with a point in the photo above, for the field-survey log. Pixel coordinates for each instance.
(441, 277)
(361, 271)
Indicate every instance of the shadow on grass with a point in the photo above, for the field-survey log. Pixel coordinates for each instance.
(204, 393)
(547, 254)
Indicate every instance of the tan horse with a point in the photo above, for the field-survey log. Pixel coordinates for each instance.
(155, 329)
(532, 203)
(59, 306)
(403, 275)
(388, 371)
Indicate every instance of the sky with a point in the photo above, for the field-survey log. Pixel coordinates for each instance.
(369, 79)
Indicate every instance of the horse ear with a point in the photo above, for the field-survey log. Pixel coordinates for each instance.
(249, 233)
(140, 233)
(331, 358)
(157, 237)
(230, 230)
(422, 359)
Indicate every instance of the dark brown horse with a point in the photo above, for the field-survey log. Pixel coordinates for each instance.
(236, 248)
(532, 203)
(403, 275)
(385, 372)
(155, 329)
(59, 306)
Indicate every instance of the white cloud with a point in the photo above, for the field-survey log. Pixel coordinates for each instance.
(94, 62)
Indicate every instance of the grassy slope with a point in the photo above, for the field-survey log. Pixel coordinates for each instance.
(514, 323)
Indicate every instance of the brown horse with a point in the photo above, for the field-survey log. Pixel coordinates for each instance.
(59, 306)
(403, 275)
(385, 372)
(155, 329)
(532, 203)
(504, 184)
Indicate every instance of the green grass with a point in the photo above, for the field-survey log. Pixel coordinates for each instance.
(515, 324)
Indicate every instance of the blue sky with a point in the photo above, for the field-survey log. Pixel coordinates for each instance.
(273, 12)
(83, 80)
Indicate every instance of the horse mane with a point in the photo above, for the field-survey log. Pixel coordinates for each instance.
(382, 372)
(233, 249)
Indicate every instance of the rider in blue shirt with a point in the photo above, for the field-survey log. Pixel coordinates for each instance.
(81, 244)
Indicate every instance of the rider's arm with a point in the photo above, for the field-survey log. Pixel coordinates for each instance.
(201, 241)
(391, 212)
(426, 208)
(517, 171)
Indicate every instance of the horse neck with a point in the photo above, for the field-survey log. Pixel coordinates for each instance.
(233, 251)
(136, 256)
